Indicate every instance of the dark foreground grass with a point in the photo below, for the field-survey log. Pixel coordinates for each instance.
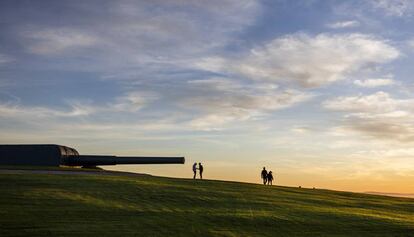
(97, 205)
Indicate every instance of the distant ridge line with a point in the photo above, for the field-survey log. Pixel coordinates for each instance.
(407, 195)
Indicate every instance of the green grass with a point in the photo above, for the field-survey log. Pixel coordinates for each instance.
(102, 205)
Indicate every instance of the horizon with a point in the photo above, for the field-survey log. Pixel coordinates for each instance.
(319, 92)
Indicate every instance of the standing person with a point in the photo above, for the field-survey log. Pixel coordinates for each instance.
(195, 169)
(264, 175)
(200, 169)
(270, 178)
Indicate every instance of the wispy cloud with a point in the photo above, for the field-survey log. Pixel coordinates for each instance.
(343, 24)
(310, 61)
(397, 8)
(378, 102)
(131, 102)
(410, 43)
(23, 112)
(53, 41)
(137, 35)
(5, 59)
(302, 129)
(377, 115)
(370, 83)
(221, 101)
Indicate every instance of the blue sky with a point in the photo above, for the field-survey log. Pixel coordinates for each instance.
(318, 91)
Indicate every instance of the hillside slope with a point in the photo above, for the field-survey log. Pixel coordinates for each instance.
(111, 205)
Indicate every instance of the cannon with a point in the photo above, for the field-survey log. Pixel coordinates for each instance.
(58, 155)
(92, 160)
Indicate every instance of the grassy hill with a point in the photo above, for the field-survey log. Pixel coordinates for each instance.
(115, 205)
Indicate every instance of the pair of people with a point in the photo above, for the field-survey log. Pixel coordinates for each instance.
(267, 177)
(200, 169)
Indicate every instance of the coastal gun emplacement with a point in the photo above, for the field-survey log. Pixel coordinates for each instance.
(57, 155)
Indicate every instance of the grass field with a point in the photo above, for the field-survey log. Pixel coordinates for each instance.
(110, 205)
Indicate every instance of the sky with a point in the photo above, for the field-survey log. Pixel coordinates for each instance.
(319, 92)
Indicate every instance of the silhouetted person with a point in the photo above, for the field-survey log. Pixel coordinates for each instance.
(200, 168)
(195, 169)
(270, 178)
(264, 175)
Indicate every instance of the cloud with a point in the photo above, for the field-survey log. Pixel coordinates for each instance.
(220, 101)
(410, 43)
(132, 101)
(24, 112)
(388, 153)
(370, 83)
(52, 41)
(397, 8)
(378, 102)
(383, 128)
(310, 61)
(202, 104)
(302, 129)
(344, 24)
(378, 115)
(121, 35)
(5, 59)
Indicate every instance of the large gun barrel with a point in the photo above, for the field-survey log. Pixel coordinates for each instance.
(56, 155)
(95, 160)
